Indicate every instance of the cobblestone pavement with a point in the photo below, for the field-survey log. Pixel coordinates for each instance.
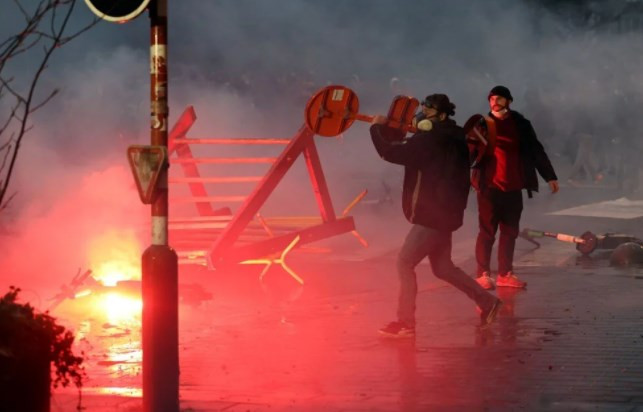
(573, 341)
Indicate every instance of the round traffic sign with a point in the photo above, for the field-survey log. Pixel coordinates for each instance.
(331, 110)
(481, 136)
(118, 11)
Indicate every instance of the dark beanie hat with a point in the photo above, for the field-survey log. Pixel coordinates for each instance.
(441, 103)
(501, 91)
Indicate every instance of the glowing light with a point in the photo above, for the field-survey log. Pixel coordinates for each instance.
(125, 354)
(124, 359)
(82, 293)
(129, 392)
(120, 309)
(115, 256)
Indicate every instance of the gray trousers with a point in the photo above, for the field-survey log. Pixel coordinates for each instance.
(424, 242)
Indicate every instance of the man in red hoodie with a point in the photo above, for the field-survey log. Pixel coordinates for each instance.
(499, 180)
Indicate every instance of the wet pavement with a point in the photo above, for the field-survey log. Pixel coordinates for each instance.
(572, 341)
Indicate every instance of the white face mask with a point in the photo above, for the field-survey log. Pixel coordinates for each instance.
(425, 125)
(499, 110)
(499, 113)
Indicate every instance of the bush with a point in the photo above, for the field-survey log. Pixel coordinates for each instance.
(30, 343)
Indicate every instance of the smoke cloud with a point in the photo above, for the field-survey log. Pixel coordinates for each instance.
(249, 66)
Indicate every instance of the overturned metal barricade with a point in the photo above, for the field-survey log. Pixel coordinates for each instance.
(217, 236)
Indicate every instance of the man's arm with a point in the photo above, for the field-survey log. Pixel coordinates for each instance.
(393, 147)
(542, 162)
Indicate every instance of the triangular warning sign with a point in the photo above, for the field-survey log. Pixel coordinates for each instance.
(146, 163)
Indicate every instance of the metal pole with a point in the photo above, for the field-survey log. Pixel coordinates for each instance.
(160, 262)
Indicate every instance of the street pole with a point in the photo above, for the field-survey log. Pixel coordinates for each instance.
(159, 261)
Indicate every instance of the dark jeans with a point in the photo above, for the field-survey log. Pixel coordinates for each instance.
(420, 243)
(498, 208)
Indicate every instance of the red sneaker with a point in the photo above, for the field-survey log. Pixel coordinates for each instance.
(510, 280)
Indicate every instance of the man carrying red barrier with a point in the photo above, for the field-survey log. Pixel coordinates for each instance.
(435, 192)
(499, 180)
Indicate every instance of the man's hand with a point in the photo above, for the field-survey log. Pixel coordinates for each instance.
(553, 185)
(379, 119)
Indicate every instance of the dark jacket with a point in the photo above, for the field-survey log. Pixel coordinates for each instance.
(436, 172)
(532, 157)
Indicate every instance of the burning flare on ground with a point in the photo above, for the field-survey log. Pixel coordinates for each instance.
(114, 257)
(115, 260)
(120, 308)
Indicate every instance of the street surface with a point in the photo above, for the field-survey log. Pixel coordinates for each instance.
(572, 341)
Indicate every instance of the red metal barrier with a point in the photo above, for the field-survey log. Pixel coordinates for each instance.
(240, 236)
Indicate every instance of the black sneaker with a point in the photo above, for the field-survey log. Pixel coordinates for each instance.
(397, 330)
(488, 316)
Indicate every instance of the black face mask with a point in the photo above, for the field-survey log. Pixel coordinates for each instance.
(419, 116)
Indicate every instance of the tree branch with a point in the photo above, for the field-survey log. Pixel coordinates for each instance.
(5, 85)
(45, 101)
(23, 42)
(4, 205)
(6, 154)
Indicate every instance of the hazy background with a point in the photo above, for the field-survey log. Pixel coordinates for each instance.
(249, 67)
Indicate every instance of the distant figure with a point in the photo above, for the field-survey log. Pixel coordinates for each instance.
(627, 148)
(541, 118)
(434, 196)
(499, 180)
(584, 164)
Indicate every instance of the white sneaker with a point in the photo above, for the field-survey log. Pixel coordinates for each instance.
(486, 281)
